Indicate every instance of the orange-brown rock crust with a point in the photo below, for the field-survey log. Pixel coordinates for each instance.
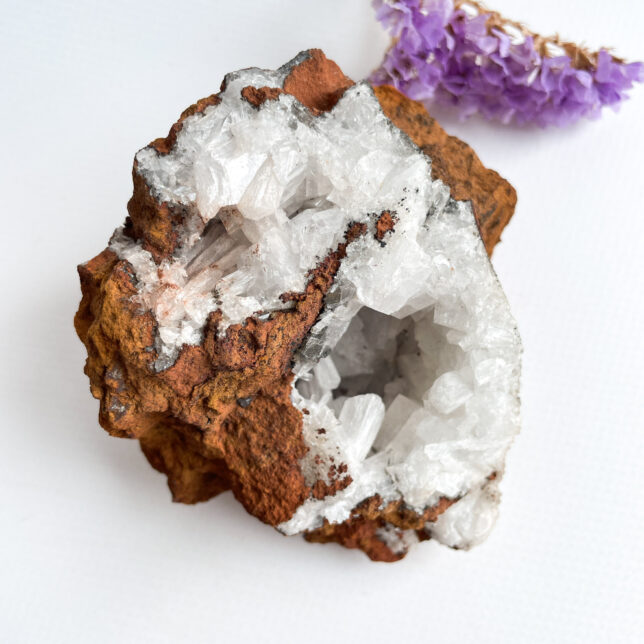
(385, 223)
(371, 516)
(257, 96)
(455, 163)
(221, 418)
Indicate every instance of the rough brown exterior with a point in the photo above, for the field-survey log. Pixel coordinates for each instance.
(256, 96)
(221, 417)
(455, 163)
(385, 223)
(371, 516)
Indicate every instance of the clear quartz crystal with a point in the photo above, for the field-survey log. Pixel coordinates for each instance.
(412, 369)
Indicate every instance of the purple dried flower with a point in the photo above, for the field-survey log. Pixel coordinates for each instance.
(462, 55)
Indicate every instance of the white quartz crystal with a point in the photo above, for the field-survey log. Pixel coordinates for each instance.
(413, 367)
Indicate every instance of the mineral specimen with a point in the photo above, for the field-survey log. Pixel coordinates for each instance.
(460, 54)
(298, 310)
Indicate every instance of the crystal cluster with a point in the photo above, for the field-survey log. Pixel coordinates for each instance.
(299, 310)
(461, 54)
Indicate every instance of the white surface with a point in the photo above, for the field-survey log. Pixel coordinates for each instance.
(91, 549)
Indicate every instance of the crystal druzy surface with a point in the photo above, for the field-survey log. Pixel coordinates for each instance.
(300, 308)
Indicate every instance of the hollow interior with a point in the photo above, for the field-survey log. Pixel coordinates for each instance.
(396, 360)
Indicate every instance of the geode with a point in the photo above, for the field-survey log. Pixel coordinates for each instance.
(300, 308)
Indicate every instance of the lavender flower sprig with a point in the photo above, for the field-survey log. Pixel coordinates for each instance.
(463, 55)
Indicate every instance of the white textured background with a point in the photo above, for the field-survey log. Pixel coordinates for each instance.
(92, 550)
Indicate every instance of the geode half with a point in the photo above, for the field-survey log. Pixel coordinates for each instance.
(300, 308)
